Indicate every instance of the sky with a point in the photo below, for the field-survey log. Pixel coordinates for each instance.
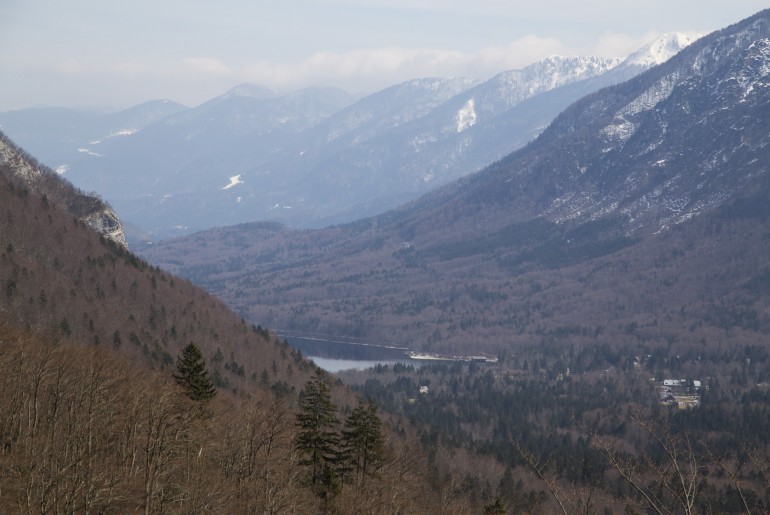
(113, 54)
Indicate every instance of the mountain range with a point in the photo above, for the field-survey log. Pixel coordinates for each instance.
(314, 157)
(640, 213)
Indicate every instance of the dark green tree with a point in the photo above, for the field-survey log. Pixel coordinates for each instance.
(192, 374)
(496, 508)
(363, 444)
(317, 439)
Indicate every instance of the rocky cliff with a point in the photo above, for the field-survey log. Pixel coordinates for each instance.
(27, 172)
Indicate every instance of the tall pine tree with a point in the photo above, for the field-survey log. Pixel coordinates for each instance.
(363, 443)
(317, 439)
(192, 374)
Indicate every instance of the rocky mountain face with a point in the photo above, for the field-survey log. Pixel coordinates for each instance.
(657, 150)
(641, 212)
(314, 157)
(26, 172)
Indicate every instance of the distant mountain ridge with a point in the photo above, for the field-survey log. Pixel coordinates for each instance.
(469, 131)
(640, 212)
(314, 157)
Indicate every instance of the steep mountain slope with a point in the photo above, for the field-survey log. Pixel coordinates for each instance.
(656, 150)
(63, 280)
(640, 213)
(25, 172)
(376, 171)
(237, 157)
(381, 112)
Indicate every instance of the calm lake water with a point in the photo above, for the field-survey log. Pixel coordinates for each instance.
(338, 365)
(334, 356)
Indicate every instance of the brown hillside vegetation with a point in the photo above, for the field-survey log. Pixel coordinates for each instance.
(85, 430)
(701, 283)
(59, 277)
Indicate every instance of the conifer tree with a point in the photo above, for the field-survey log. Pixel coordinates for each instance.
(363, 442)
(317, 439)
(193, 375)
(496, 508)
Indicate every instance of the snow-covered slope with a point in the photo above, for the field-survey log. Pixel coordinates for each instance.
(661, 50)
(512, 87)
(674, 142)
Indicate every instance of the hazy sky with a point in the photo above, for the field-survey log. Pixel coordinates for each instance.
(113, 53)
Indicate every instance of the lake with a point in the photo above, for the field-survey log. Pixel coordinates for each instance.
(338, 365)
(337, 355)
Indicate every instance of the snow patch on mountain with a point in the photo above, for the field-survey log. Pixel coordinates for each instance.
(466, 117)
(89, 152)
(655, 94)
(123, 132)
(234, 181)
(623, 127)
(755, 73)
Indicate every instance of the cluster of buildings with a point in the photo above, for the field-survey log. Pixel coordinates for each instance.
(684, 393)
(427, 356)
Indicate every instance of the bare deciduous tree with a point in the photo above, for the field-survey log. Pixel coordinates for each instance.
(666, 485)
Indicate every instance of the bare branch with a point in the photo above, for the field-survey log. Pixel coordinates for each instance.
(540, 471)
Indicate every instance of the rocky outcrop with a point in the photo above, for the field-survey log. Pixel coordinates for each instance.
(106, 222)
(26, 171)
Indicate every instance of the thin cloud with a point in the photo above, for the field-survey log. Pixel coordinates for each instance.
(358, 71)
(615, 44)
(205, 66)
(130, 69)
(371, 69)
(521, 52)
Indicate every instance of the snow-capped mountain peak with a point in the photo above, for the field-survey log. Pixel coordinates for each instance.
(550, 73)
(661, 49)
(566, 69)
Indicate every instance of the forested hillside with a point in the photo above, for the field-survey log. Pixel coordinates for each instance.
(63, 279)
(126, 389)
(86, 430)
